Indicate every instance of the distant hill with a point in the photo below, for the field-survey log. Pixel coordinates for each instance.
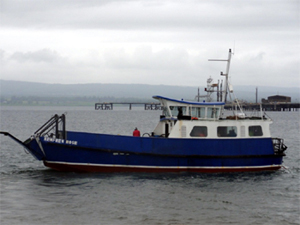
(137, 91)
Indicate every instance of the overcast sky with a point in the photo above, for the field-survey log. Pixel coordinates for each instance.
(150, 42)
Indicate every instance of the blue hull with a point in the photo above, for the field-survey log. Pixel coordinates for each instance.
(109, 153)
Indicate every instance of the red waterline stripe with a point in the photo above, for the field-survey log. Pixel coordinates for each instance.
(74, 167)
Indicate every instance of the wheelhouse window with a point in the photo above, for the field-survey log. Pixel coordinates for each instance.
(213, 112)
(175, 110)
(255, 131)
(224, 131)
(166, 112)
(199, 131)
(198, 112)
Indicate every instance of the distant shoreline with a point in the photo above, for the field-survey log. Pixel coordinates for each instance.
(127, 92)
(62, 101)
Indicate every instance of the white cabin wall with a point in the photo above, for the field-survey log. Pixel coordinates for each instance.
(176, 132)
(160, 127)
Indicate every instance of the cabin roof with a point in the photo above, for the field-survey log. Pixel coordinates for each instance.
(187, 102)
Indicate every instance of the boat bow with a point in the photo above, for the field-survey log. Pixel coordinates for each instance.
(28, 145)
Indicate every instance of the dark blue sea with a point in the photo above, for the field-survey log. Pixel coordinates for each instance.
(34, 194)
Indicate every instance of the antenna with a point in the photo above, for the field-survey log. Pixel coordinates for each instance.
(256, 95)
(233, 48)
(227, 72)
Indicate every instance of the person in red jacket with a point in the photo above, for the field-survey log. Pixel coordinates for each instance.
(136, 133)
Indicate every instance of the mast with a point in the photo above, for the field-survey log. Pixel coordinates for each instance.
(221, 91)
(225, 74)
(256, 95)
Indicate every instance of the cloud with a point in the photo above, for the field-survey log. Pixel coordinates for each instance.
(144, 65)
(44, 55)
(144, 15)
(2, 54)
(144, 58)
(152, 42)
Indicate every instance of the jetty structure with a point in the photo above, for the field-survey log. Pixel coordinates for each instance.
(276, 106)
(110, 105)
(266, 105)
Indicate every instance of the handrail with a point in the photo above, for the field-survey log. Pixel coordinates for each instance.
(53, 123)
(278, 145)
(48, 124)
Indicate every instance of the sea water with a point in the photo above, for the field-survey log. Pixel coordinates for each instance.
(34, 194)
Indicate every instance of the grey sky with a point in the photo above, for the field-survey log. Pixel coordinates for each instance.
(150, 42)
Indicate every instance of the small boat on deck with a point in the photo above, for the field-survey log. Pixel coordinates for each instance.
(190, 136)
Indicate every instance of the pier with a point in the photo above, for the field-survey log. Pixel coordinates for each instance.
(280, 106)
(110, 105)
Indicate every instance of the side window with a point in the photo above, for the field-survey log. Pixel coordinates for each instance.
(255, 131)
(230, 131)
(199, 131)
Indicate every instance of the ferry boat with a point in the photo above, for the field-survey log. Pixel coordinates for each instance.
(190, 136)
